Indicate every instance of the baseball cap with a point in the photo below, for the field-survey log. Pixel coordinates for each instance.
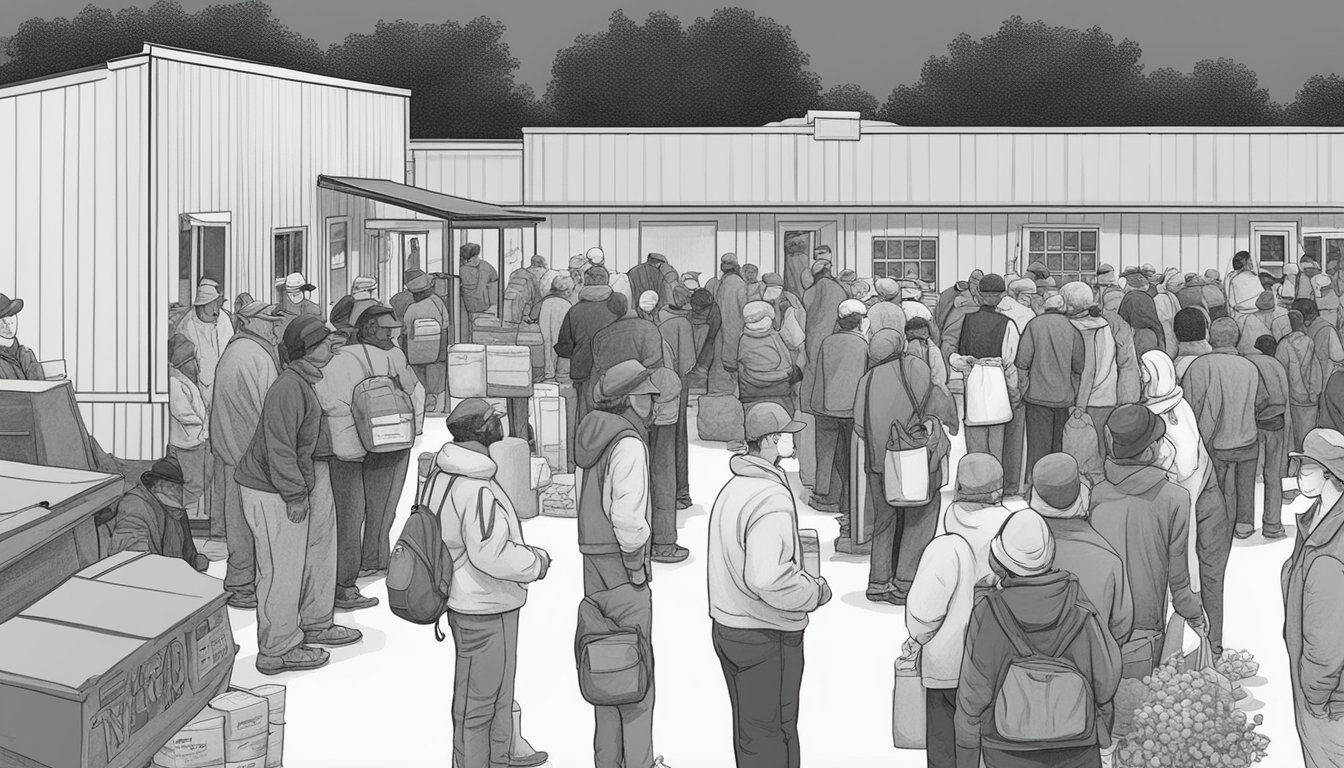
(624, 379)
(769, 419)
(472, 413)
(370, 308)
(1325, 447)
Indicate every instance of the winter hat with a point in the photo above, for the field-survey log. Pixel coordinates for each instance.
(992, 283)
(648, 301)
(773, 293)
(917, 325)
(1106, 274)
(1212, 274)
(1038, 270)
(728, 260)
(885, 344)
(1131, 428)
(1224, 333)
(562, 283)
(578, 263)
(363, 283)
(1161, 387)
(1175, 282)
(979, 479)
(1053, 302)
(538, 260)
(773, 278)
(701, 299)
(1049, 283)
(417, 281)
(596, 276)
(1266, 300)
(681, 296)
(1138, 281)
(468, 251)
(751, 273)
(1321, 281)
(976, 276)
(1024, 545)
(820, 265)
(1022, 287)
(852, 307)
(1077, 297)
(1148, 269)
(910, 289)
(756, 311)
(595, 256)
(180, 350)
(887, 288)
(303, 334)
(1190, 324)
(1056, 485)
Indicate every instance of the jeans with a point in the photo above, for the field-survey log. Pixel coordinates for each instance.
(806, 441)
(833, 453)
(940, 731)
(1213, 546)
(241, 576)
(1012, 451)
(663, 482)
(1235, 471)
(683, 445)
(622, 736)
(296, 565)
(1045, 433)
(486, 665)
(763, 669)
(1303, 418)
(384, 476)
(1274, 450)
(986, 440)
(195, 476)
(900, 535)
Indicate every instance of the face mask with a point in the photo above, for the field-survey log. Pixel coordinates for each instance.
(785, 447)
(643, 407)
(9, 327)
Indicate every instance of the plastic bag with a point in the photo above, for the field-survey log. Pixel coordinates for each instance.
(908, 728)
(987, 397)
(1080, 442)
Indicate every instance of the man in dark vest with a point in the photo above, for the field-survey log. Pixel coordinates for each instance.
(988, 335)
(615, 524)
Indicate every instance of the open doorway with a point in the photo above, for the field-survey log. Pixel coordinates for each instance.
(798, 244)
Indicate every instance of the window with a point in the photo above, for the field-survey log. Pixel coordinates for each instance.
(338, 238)
(1070, 253)
(902, 257)
(202, 252)
(288, 252)
(1272, 245)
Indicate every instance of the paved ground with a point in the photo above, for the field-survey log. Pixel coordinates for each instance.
(386, 702)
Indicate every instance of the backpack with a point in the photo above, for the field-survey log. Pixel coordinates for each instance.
(384, 414)
(519, 296)
(420, 570)
(615, 662)
(1044, 700)
(424, 337)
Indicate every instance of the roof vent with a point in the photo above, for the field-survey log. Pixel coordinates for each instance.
(834, 126)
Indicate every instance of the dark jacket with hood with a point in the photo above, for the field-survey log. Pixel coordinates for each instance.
(675, 326)
(632, 338)
(1146, 519)
(604, 527)
(1312, 580)
(144, 524)
(1140, 311)
(19, 362)
(1080, 550)
(706, 324)
(648, 276)
(731, 296)
(1044, 607)
(290, 433)
(590, 315)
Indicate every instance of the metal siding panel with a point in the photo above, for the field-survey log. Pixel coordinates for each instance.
(695, 173)
(715, 156)
(1209, 234)
(1056, 166)
(944, 169)
(1003, 153)
(607, 168)
(1074, 162)
(553, 155)
(1171, 240)
(1261, 184)
(1159, 178)
(1023, 168)
(901, 177)
(1279, 170)
(985, 184)
(49, 260)
(759, 168)
(1133, 162)
(621, 172)
(1185, 169)
(653, 170)
(1297, 180)
(9, 191)
(745, 186)
(824, 185)
(671, 169)
(844, 173)
(1334, 187)
(71, 224)
(1000, 241)
(1109, 169)
(1129, 242)
(984, 241)
(89, 203)
(1109, 240)
(1150, 240)
(919, 169)
(1311, 191)
(28, 190)
(1040, 168)
(1240, 169)
(862, 227)
(968, 166)
(1089, 157)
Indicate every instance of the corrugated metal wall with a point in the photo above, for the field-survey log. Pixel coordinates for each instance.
(903, 166)
(490, 171)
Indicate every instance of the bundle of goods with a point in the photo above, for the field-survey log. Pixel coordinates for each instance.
(240, 729)
(247, 729)
(466, 370)
(275, 718)
(560, 499)
(530, 336)
(508, 371)
(929, 299)
(719, 418)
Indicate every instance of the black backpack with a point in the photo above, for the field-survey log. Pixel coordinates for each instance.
(420, 570)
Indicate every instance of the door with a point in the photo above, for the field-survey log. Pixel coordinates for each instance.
(689, 246)
(804, 238)
(202, 253)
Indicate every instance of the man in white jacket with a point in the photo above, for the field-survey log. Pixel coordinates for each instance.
(492, 567)
(759, 593)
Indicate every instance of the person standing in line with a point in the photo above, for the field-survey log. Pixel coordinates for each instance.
(406, 297)
(492, 568)
(1243, 286)
(898, 389)
(649, 277)
(1273, 428)
(479, 285)
(843, 356)
(946, 300)
(554, 308)
(1228, 397)
(1168, 305)
(202, 327)
(1312, 581)
(628, 338)
(939, 606)
(292, 299)
(1192, 332)
(887, 312)
(16, 360)
(822, 304)
(188, 428)
(614, 537)
(1016, 305)
(366, 485)
(1050, 360)
(1138, 309)
(731, 296)
(575, 340)
(1098, 388)
(247, 369)
(678, 334)
(963, 303)
(751, 274)
(522, 293)
(760, 595)
(767, 367)
(287, 502)
(989, 335)
(426, 332)
(363, 287)
(1035, 608)
(1324, 337)
(797, 268)
(1297, 353)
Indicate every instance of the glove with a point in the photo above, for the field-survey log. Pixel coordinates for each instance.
(297, 510)
(825, 591)
(545, 558)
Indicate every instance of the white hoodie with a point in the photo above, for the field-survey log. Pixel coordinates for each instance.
(492, 566)
(940, 601)
(1181, 451)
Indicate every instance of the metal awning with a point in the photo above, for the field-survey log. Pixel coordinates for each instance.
(459, 212)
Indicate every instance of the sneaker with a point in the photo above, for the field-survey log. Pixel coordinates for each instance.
(658, 763)
(243, 600)
(891, 597)
(351, 600)
(1274, 533)
(684, 504)
(299, 659)
(368, 573)
(1244, 532)
(334, 636)
(528, 761)
(669, 553)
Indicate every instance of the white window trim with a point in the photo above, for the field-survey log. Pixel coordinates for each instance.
(1292, 232)
(307, 244)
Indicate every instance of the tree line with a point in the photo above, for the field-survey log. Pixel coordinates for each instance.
(732, 68)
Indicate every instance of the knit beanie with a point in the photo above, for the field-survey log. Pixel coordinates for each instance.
(596, 275)
(1055, 479)
(979, 478)
(1224, 333)
(648, 301)
(1265, 301)
(1190, 325)
(756, 311)
(885, 344)
(887, 288)
(1024, 545)
(1077, 297)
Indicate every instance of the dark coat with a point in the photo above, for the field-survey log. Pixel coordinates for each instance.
(675, 327)
(19, 362)
(648, 276)
(575, 342)
(143, 524)
(844, 359)
(882, 400)
(291, 431)
(822, 305)
(1051, 356)
(633, 338)
(1312, 582)
(1080, 550)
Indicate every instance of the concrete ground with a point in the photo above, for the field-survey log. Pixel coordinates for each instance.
(386, 701)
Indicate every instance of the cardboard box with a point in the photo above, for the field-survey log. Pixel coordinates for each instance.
(250, 748)
(258, 762)
(274, 694)
(200, 743)
(811, 551)
(275, 746)
(245, 715)
(120, 673)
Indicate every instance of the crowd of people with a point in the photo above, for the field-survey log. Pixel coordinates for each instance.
(1115, 432)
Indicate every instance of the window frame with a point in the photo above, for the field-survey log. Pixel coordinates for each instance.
(1083, 275)
(902, 260)
(1293, 244)
(345, 257)
(303, 255)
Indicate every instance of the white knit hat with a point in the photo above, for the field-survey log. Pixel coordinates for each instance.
(1024, 545)
(853, 307)
(648, 300)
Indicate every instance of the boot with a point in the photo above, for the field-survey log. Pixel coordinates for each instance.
(521, 754)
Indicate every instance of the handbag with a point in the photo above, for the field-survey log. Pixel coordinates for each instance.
(907, 467)
(908, 714)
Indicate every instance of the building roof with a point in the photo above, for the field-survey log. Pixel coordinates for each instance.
(458, 211)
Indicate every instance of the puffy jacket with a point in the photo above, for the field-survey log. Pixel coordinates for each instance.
(582, 322)
(842, 361)
(764, 359)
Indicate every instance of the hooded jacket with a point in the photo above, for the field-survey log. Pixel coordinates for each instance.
(1298, 355)
(554, 308)
(614, 509)
(888, 314)
(190, 417)
(210, 340)
(1080, 550)
(290, 432)
(675, 327)
(19, 362)
(478, 277)
(492, 565)
(765, 364)
(822, 302)
(1101, 376)
(754, 560)
(1329, 350)
(1051, 358)
(731, 296)
(1139, 310)
(648, 277)
(632, 338)
(1226, 394)
(143, 524)
(1041, 607)
(939, 606)
(352, 364)
(246, 371)
(1146, 520)
(581, 324)
(882, 400)
(1274, 379)
(1187, 460)
(1311, 581)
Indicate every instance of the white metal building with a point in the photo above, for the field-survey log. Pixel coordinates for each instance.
(889, 199)
(124, 184)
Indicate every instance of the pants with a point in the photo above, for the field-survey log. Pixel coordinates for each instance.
(241, 576)
(1012, 450)
(1236, 477)
(487, 662)
(296, 565)
(434, 376)
(1274, 454)
(663, 482)
(622, 736)
(986, 440)
(682, 439)
(194, 475)
(1322, 740)
(763, 669)
(1303, 418)
(583, 403)
(900, 535)
(720, 381)
(807, 449)
(1045, 433)
(384, 476)
(940, 731)
(1213, 546)
(833, 451)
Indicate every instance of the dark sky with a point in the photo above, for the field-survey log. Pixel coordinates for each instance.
(876, 43)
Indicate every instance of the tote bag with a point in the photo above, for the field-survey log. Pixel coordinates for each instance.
(986, 397)
(908, 716)
(906, 467)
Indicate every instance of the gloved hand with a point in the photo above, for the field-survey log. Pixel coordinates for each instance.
(297, 510)
(825, 591)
